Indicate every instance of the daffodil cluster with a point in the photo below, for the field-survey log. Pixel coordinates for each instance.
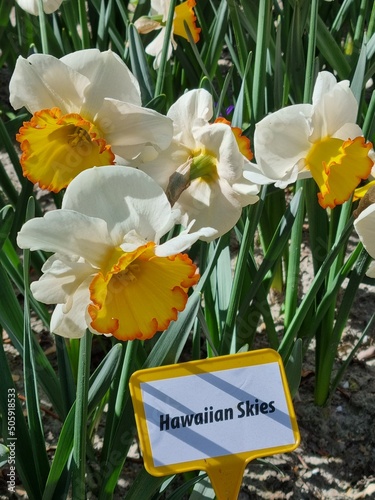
(130, 174)
(109, 272)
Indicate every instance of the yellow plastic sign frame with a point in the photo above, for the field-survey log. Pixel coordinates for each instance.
(225, 471)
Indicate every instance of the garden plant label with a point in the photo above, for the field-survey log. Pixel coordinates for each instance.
(214, 415)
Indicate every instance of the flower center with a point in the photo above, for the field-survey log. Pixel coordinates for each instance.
(203, 166)
(139, 293)
(56, 148)
(79, 137)
(338, 167)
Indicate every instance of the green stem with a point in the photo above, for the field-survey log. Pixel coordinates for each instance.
(296, 236)
(163, 59)
(324, 369)
(309, 80)
(80, 419)
(293, 330)
(42, 27)
(292, 278)
(259, 80)
(83, 22)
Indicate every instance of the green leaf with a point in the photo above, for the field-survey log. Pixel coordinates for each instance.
(293, 367)
(25, 467)
(139, 65)
(100, 381)
(4, 455)
(168, 348)
(6, 220)
(144, 485)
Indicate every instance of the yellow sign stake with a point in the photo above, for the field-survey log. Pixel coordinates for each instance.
(215, 415)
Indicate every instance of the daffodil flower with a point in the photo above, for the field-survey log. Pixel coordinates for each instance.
(183, 13)
(108, 271)
(210, 162)
(365, 227)
(319, 140)
(32, 7)
(86, 109)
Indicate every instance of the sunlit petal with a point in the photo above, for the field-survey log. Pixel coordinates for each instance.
(128, 128)
(129, 199)
(50, 83)
(62, 275)
(124, 302)
(56, 148)
(365, 227)
(32, 6)
(104, 70)
(69, 233)
(338, 167)
(281, 140)
(72, 323)
(184, 13)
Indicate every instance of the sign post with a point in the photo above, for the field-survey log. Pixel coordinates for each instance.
(215, 415)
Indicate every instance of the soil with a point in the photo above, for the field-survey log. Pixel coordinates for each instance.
(336, 458)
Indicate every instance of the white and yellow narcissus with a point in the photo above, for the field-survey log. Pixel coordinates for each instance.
(108, 271)
(365, 227)
(212, 158)
(183, 16)
(32, 6)
(319, 140)
(86, 109)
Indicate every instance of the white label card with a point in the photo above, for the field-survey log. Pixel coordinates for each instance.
(224, 412)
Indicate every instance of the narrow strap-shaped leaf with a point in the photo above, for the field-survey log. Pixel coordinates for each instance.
(263, 34)
(100, 381)
(34, 418)
(139, 64)
(275, 248)
(6, 220)
(80, 418)
(325, 365)
(20, 437)
(164, 53)
(293, 330)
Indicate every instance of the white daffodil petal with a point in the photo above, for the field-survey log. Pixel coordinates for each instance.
(166, 164)
(247, 191)
(104, 70)
(67, 232)
(371, 270)
(62, 275)
(333, 110)
(128, 128)
(72, 324)
(365, 227)
(324, 83)
(214, 205)
(129, 200)
(31, 6)
(184, 241)
(194, 105)
(155, 48)
(50, 83)
(219, 139)
(253, 174)
(281, 140)
(348, 131)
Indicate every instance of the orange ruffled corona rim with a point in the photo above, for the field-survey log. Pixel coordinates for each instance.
(185, 12)
(242, 141)
(56, 148)
(141, 293)
(338, 167)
